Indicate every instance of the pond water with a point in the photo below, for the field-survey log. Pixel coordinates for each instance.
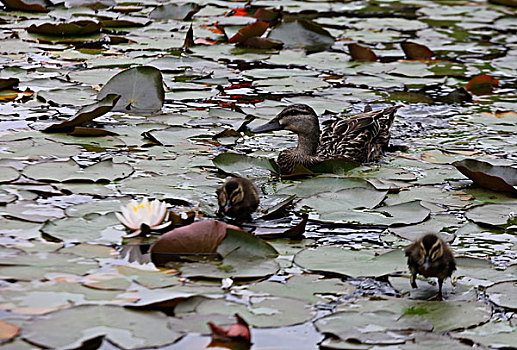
(103, 101)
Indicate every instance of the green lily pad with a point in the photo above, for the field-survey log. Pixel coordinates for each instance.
(444, 316)
(19, 229)
(310, 288)
(496, 334)
(140, 88)
(437, 224)
(182, 11)
(351, 263)
(480, 272)
(241, 165)
(32, 211)
(8, 174)
(493, 214)
(503, 294)
(90, 228)
(261, 312)
(398, 214)
(428, 289)
(70, 171)
(302, 33)
(126, 328)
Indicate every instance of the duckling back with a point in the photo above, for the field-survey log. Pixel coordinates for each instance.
(363, 137)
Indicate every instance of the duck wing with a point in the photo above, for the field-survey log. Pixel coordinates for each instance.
(362, 138)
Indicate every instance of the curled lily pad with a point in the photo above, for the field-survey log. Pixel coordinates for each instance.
(252, 30)
(416, 51)
(361, 53)
(86, 114)
(485, 174)
(141, 90)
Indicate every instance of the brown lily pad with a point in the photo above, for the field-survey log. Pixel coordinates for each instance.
(361, 53)
(255, 29)
(416, 51)
(484, 174)
(482, 85)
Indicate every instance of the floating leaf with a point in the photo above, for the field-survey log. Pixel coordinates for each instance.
(86, 114)
(240, 164)
(202, 237)
(126, 328)
(302, 33)
(416, 51)
(141, 90)
(252, 30)
(75, 28)
(261, 43)
(361, 53)
(503, 294)
(8, 174)
(480, 272)
(493, 214)
(351, 263)
(28, 5)
(181, 11)
(104, 171)
(482, 85)
(8, 330)
(485, 174)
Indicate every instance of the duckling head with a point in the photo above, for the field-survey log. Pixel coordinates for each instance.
(229, 196)
(431, 249)
(298, 118)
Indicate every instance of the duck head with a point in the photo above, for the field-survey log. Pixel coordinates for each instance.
(298, 118)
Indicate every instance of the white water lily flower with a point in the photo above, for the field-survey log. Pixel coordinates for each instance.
(135, 214)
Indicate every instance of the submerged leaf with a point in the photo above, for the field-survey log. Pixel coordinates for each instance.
(482, 85)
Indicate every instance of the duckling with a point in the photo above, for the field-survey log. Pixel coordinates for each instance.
(238, 198)
(431, 257)
(362, 138)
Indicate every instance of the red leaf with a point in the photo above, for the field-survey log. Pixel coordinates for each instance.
(266, 15)
(239, 331)
(9, 331)
(255, 29)
(482, 85)
(361, 53)
(415, 51)
(198, 237)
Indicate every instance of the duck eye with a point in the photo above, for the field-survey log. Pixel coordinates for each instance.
(236, 196)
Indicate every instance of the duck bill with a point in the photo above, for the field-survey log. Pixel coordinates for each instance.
(269, 126)
(427, 263)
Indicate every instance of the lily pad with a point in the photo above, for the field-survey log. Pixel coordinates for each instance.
(480, 272)
(493, 214)
(86, 114)
(70, 171)
(351, 263)
(485, 174)
(503, 294)
(261, 312)
(181, 11)
(8, 174)
(75, 28)
(496, 334)
(28, 5)
(302, 33)
(444, 316)
(141, 90)
(240, 164)
(310, 288)
(125, 328)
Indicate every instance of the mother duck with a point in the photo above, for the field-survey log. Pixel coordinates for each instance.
(362, 138)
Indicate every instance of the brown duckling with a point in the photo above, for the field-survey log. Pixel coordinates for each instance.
(238, 198)
(430, 256)
(362, 138)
